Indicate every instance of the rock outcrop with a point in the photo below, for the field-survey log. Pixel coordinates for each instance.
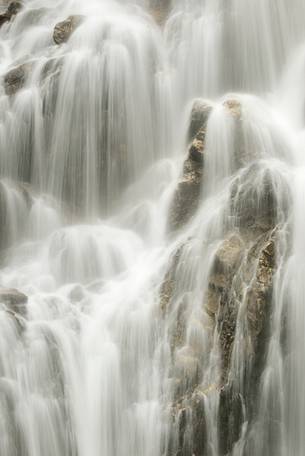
(238, 299)
(63, 30)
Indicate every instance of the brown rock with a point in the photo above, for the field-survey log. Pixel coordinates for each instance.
(16, 78)
(187, 195)
(201, 111)
(63, 30)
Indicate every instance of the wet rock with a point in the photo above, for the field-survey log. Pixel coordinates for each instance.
(230, 419)
(226, 262)
(16, 78)
(159, 10)
(167, 287)
(254, 201)
(14, 300)
(200, 113)
(260, 294)
(12, 9)
(234, 108)
(187, 372)
(197, 147)
(249, 278)
(187, 195)
(190, 427)
(63, 30)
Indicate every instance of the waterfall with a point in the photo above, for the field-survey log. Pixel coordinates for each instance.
(152, 193)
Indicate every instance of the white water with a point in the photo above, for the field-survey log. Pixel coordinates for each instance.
(91, 151)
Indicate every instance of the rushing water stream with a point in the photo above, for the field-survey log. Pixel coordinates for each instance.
(91, 152)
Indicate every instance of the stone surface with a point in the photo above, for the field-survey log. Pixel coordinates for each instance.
(200, 113)
(63, 30)
(186, 198)
(238, 300)
(14, 300)
(16, 78)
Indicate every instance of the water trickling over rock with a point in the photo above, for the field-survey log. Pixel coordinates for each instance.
(152, 232)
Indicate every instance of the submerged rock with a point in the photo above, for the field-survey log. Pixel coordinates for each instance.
(14, 300)
(63, 30)
(159, 10)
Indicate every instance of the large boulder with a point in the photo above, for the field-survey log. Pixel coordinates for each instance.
(63, 30)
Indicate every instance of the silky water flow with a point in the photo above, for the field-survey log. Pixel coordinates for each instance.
(139, 338)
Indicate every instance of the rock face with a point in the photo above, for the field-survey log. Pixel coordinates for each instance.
(12, 9)
(63, 30)
(237, 302)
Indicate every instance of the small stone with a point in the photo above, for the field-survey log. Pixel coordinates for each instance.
(63, 30)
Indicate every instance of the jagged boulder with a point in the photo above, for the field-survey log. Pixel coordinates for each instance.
(12, 9)
(63, 30)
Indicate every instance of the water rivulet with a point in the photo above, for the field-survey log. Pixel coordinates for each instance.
(152, 250)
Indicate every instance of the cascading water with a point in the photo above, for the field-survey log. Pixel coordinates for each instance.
(160, 303)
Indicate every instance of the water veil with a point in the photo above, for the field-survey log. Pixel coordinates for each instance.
(152, 192)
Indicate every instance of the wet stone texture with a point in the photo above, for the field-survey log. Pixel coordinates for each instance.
(63, 30)
(239, 294)
(187, 195)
